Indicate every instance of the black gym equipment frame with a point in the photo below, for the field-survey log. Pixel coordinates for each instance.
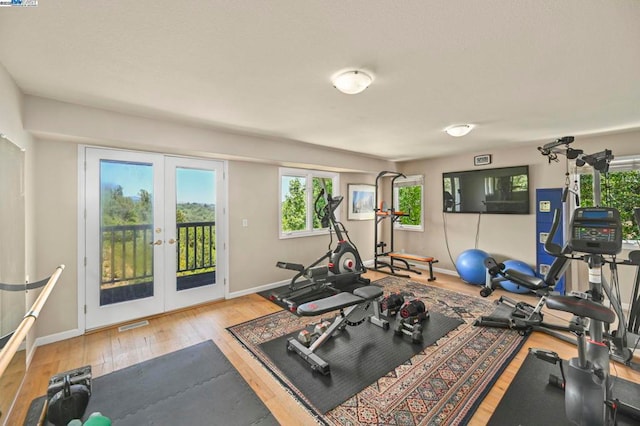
(341, 273)
(386, 261)
(523, 316)
(355, 308)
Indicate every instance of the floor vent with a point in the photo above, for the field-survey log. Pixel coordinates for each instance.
(133, 325)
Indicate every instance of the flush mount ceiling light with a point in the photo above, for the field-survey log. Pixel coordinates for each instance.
(352, 82)
(459, 130)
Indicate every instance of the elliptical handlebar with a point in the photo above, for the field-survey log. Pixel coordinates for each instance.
(549, 246)
(326, 213)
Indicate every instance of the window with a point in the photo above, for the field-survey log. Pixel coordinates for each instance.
(299, 200)
(407, 196)
(620, 188)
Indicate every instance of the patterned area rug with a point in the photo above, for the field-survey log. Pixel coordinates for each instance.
(443, 384)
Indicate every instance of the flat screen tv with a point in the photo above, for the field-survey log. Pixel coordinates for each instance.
(496, 191)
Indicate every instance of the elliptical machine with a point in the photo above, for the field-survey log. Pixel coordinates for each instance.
(595, 232)
(625, 339)
(341, 273)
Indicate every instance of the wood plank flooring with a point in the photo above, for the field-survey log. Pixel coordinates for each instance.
(109, 350)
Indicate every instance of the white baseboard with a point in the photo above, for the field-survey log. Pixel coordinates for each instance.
(233, 295)
(52, 338)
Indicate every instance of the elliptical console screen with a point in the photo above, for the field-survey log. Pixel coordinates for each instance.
(596, 230)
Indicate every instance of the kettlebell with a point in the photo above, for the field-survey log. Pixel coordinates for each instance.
(68, 403)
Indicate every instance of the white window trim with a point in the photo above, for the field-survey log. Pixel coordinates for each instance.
(417, 180)
(308, 175)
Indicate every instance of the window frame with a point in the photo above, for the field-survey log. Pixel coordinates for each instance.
(419, 181)
(309, 175)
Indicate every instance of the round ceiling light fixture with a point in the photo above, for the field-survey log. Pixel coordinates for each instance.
(458, 130)
(352, 82)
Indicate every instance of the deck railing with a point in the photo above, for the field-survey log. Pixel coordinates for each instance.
(127, 252)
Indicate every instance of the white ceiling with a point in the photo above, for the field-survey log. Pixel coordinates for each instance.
(523, 71)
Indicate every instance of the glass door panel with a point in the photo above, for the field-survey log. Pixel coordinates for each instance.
(126, 231)
(153, 234)
(124, 236)
(192, 210)
(196, 228)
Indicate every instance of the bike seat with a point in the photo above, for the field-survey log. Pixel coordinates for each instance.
(582, 308)
(339, 301)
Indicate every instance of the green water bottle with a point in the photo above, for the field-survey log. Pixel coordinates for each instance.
(97, 419)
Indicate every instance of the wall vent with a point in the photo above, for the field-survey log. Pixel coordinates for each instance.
(133, 325)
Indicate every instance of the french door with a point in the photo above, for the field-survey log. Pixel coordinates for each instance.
(154, 239)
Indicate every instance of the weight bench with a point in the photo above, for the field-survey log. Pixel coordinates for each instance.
(404, 257)
(355, 308)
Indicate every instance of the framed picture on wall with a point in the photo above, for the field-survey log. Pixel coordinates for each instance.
(482, 160)
(361, 201)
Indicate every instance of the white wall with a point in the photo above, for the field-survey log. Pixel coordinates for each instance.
(252, 182)
(504, 236)
(11, 124)
(255, 249)
(253, 174)
(55, 182)
(11, 102)
(501, 235)
(59, 120)
(18, 261)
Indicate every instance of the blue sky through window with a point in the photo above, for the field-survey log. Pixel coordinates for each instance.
(193, 185)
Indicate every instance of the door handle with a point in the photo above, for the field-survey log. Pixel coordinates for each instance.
(157, 243)
(172, 241)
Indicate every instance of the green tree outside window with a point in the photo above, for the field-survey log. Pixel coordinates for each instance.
(620, 190)
(410, 201)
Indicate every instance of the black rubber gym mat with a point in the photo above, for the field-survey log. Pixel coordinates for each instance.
(357, 356)
(194, 386)
(530, 400)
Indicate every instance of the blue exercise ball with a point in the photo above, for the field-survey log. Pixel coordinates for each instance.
(520, 267)
(470, 266)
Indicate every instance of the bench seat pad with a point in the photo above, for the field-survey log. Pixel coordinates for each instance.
(339, 301)
(415, 257)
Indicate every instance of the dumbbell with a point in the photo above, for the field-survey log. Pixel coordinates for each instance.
(390, 304)
(414, 309)
(307, 337)
(321, 327)
(405, 327)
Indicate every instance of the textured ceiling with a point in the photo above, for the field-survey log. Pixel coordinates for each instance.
(522, 71)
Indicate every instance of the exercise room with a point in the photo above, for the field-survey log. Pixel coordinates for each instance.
(319, 212)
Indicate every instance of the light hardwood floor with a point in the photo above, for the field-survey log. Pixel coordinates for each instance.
(109, 350)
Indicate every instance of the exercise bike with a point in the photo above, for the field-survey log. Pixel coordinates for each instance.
(595, 232)
(343, 270)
